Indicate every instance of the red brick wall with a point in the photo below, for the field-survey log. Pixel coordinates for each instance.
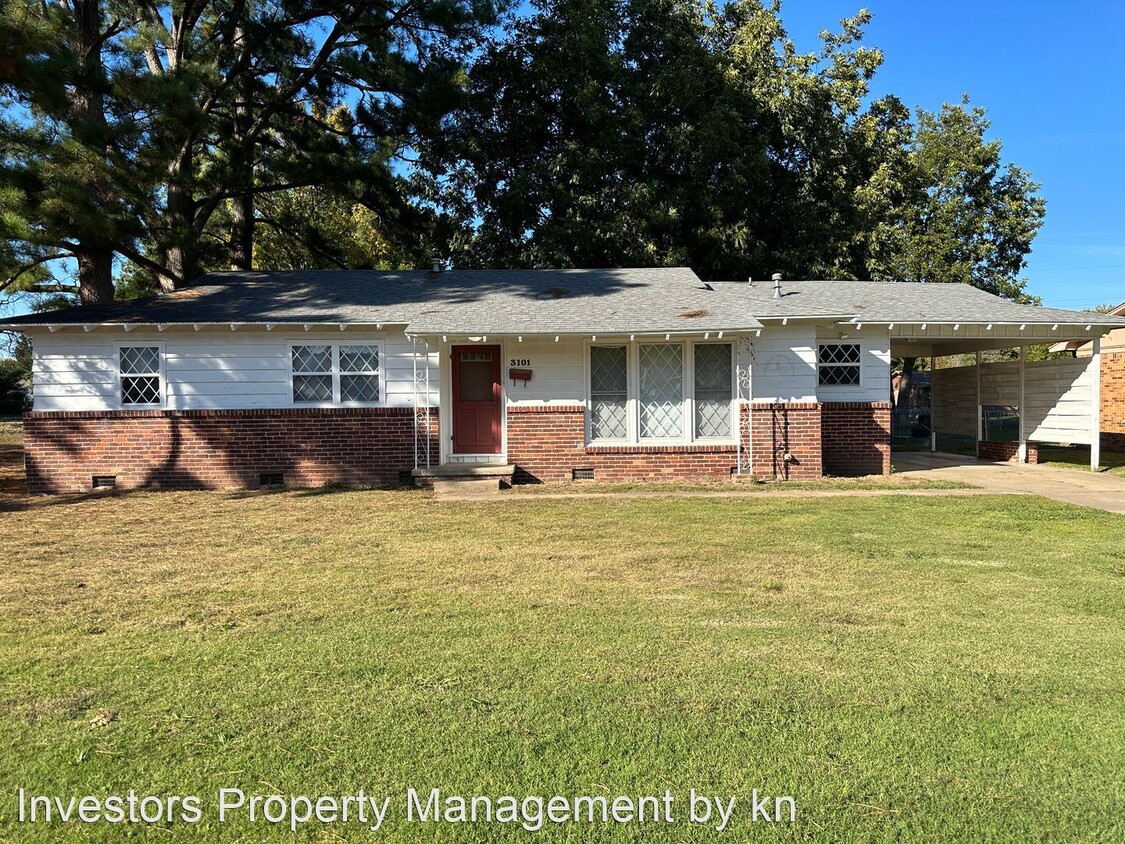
(1113, 401)
(1007, 451)
(856, 438)
(786, 428)
(546, 443)
(213, 449)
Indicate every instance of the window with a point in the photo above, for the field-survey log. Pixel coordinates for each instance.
(712, 391)
(359, 374)
(609, 393)
(661, 391)
(838, 364)
(139, 369)
(326, 373)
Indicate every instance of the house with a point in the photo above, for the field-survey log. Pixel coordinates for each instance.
(307, 378)
(1112, 380)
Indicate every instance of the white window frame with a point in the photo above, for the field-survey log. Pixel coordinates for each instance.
(163, 381)
(334, 346)
(858, 364)
(633, 401)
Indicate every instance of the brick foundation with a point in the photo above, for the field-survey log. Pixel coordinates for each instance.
(856, 438)
(781, 429)
(547, 443)
(216, 449)
(1113, 401)
(1010, 452)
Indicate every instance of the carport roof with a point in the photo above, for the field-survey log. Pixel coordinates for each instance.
(900, 302)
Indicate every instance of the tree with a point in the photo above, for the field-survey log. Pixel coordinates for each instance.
(169, 115)
(954, 212)
(656, 132)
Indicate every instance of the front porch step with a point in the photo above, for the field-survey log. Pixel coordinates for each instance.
(464, 477)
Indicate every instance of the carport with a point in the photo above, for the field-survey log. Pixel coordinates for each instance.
(1054, 401)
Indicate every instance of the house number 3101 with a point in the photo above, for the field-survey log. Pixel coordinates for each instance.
(520, 362)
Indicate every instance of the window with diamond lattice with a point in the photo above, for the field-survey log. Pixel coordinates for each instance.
(139, 368)
(661, 390)
(609, 393)
(712, 391)
(838, 364)
(359, 373)
(312, 374)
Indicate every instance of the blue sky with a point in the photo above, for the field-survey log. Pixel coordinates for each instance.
(1050, 76)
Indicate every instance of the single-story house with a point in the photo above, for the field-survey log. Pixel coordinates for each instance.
(306, 378)
(1112, 380)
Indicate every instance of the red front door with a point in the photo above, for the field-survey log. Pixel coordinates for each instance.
(476, 399)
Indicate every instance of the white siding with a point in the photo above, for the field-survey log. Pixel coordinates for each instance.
(1057, 397)
(558, 371)
(783, 363)
(874, 364)
(214, 368)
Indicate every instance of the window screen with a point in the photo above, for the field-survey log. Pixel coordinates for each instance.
(359, 373)
(712, 390)
(312, 374)
(140, 375)
(608, 393)
(661, 390)
(838, 364)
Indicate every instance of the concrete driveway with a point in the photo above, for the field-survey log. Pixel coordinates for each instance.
(1073, 486)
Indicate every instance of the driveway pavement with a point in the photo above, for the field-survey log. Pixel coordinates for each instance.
(1073, 486)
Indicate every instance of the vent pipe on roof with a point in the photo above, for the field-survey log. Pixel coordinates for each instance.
(435, 264)
(750, 281)
(777, 285)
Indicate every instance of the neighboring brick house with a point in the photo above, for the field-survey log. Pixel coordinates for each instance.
(307, 378)
(1113, 380)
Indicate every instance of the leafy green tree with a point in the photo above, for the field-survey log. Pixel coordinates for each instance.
(655, 132)
(168, 121)
(953, 211)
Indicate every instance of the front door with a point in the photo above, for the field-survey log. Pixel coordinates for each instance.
(476, 400)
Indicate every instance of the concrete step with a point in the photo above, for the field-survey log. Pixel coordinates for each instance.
(466, 486)
(484, 475)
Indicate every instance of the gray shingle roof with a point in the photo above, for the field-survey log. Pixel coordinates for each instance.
(900, 302)
(455, 302)
(549, 302)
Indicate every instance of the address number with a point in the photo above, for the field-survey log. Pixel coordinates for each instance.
(520, 362)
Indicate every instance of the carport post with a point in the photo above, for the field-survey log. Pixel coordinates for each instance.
(980, 421)
(1023, 430)
(1096, 406)
(933, 386)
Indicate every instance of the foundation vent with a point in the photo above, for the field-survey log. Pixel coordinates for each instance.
(103, 481)
(582, 474)
(271, 479)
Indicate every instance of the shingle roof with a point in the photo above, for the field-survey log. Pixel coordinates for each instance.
(550, 302)
(900, 302)
(455, 302)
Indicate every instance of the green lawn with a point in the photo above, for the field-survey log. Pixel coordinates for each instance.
(1078, 457)
(908, 669)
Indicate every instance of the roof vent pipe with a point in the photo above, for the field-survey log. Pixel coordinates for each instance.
(435, 264)
(777, 285)
(750, 281)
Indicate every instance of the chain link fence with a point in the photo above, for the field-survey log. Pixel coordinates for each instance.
(11, 432)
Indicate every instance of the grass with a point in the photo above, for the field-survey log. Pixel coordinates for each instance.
(1078, 457)
(908, 669)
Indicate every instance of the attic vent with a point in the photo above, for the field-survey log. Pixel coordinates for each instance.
(554, 293)
(103, 481)
(271, 479)
(582, 474)
(693, 314)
